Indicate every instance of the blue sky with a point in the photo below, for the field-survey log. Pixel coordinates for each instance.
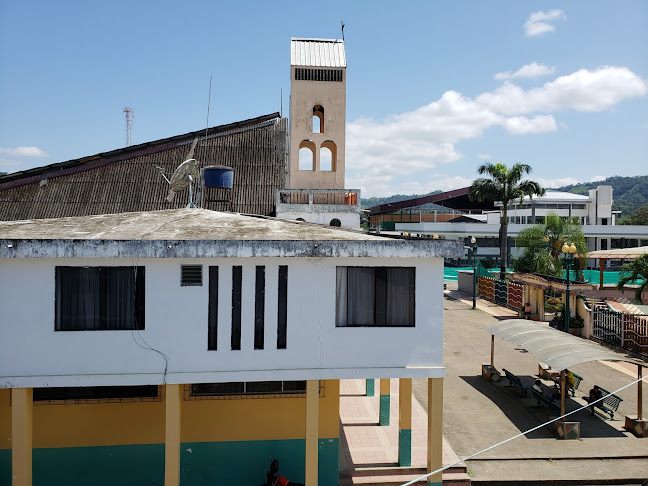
(433, 88)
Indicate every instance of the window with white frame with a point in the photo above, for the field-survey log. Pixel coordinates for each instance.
(99, 298)
(375, 296)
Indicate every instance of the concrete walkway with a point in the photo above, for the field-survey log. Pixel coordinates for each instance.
(369, 452)
(478, 414)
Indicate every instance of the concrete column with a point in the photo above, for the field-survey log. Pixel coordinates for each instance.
(21, 436)
(435, 430)
(384, 401)
(173, 405)
(405, 422)
(370, 387)
(312, 433)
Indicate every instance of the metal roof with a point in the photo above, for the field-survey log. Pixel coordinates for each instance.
(317, 52)
(620, 253)
(555, 348)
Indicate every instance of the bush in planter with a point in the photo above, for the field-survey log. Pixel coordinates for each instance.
(576, 322)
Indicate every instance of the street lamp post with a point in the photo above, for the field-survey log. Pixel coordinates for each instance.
(569, 251)
(473, 241)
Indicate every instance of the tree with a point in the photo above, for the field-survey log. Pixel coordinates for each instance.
(505, 185)
(639, 217)
(543, 243)
(632, 271)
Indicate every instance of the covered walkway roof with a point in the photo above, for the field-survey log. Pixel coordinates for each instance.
(457, 199)
(619, 253)
(556, 348)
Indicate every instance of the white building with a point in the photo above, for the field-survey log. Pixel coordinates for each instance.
(188, 315)
(594, 211)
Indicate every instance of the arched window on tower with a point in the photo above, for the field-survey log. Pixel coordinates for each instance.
(328, 156)
(307, 155)
(318, 119)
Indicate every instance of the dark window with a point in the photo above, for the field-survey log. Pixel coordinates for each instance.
(259, 307)
(191, 275)
(99, 298)
(375, 296)
(335, 222)
(95, 392)
(604, 245)
(237, 277)
(307, 74)
(248, 388)
(282, 307)
(212, 325)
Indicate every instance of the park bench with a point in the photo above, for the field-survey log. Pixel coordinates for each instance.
(609, 405)
(515, 381)
(545, 401)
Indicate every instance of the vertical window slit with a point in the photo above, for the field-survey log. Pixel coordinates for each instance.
(259, 307)
(212, 335)
(237, 277)
(282, 307)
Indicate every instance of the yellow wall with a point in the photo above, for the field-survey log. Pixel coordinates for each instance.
(78, 425)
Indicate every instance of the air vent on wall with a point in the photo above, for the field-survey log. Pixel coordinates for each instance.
(191, 275)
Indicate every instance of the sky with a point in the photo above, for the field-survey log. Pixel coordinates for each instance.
(434, 88)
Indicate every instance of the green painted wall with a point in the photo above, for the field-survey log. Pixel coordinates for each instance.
(242, 463)
(5, 467)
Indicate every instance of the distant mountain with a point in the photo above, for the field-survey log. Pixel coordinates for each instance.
(370, 202)
(628, 192)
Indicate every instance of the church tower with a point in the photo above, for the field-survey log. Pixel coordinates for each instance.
(317, 113)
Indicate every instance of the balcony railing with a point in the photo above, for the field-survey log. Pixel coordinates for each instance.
(331, 197)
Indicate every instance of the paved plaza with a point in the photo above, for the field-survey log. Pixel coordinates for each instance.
(478, 414)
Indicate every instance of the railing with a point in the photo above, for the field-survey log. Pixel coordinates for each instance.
(501, 292)
(629, 331)
(338, 197)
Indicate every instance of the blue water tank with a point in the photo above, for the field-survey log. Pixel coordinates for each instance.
(219, 176)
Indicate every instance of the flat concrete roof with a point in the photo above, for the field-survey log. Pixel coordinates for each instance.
(200, 232)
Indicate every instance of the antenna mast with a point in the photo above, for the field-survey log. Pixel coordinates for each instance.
(130, 113)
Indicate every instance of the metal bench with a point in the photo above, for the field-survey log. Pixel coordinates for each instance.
(609, 405)
(545, 401)
(515, 381)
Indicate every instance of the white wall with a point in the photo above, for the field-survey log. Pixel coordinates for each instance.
(32, 354)
(348, 220)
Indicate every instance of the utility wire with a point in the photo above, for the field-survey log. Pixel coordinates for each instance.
(518, 435)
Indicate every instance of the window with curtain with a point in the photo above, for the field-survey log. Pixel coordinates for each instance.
(99, 298)
(375, 296)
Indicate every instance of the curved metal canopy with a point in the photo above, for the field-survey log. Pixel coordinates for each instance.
(556, 348)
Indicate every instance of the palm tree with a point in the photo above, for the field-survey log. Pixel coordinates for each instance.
(543, 244)
(505, 185)
(635, 270)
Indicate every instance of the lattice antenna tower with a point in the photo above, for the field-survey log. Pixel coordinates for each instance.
(130, 113)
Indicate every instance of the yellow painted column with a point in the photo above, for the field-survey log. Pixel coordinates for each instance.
(435, 430)
(405, 422)
(21, 436)
(312, 433)
(172, 435)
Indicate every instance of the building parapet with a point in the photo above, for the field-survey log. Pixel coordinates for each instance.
(318, 200)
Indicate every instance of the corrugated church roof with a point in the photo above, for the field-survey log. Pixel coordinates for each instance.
(317, 52)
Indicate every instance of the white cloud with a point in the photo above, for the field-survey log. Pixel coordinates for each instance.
(532, 70)
(23, 152)
(484, 156)
(583, 90)
(380, 152)
(376, 185)
(538, 23)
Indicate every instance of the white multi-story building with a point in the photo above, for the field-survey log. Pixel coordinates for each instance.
(594, 212)
(138, 344)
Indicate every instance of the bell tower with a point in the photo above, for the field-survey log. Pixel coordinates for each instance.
(317, 113)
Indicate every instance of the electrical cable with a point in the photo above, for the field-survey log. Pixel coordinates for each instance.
(518, 435)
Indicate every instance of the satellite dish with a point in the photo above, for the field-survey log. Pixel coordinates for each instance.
(183, 177)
